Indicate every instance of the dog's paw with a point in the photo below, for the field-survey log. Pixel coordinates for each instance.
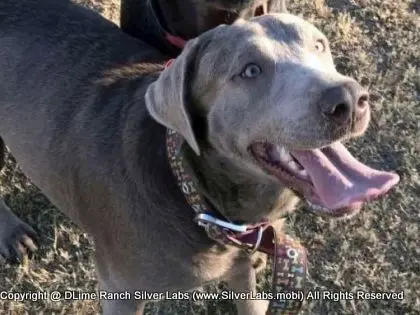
(17, 240)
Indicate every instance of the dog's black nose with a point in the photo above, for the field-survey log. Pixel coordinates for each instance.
(342, 103)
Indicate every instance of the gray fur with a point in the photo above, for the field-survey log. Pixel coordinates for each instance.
(149, 20)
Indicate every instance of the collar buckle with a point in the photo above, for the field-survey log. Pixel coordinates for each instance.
(204, 219)
(257, 244)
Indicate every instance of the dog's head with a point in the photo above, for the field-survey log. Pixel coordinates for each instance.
(199, 16)
(248, 8)
(273, 103)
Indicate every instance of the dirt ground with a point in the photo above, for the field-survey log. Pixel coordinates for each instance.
(376, 41)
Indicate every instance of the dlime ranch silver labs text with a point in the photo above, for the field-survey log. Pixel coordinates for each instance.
(199, 295)
(148, 296)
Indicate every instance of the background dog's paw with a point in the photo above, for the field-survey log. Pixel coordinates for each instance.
(16, 241)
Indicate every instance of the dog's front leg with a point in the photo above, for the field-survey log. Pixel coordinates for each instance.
(246, 282)
(16, 237)
(115, 301)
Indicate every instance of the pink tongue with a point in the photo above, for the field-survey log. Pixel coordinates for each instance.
(340, 180)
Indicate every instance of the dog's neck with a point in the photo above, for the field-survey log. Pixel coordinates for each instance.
(235, 194)
(231, 191)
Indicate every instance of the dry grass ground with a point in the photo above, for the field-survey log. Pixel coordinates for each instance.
(378, 42)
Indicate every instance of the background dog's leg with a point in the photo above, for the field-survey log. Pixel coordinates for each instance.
(16, 237)
(246, 282)
(129, 20)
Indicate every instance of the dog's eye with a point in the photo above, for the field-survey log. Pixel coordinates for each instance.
(320, 46)
(251, 71)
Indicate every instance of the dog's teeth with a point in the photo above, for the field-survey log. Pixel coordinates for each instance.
(285, 157)
(294, 166)
(303, 173)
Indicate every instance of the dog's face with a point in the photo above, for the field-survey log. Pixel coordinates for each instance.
(276, 106)
(281, 72)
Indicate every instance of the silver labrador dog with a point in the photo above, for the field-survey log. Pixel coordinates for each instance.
(85, 109)
(151, 21)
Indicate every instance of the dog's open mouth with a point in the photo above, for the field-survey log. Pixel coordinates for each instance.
(330, 179)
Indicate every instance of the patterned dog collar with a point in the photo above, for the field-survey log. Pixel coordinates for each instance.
(289, 257)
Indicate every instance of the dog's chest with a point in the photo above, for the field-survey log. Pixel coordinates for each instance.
(215, 264)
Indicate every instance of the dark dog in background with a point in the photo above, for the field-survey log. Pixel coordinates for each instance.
(149, 20)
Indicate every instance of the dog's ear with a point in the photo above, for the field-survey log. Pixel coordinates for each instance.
(167, 98)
